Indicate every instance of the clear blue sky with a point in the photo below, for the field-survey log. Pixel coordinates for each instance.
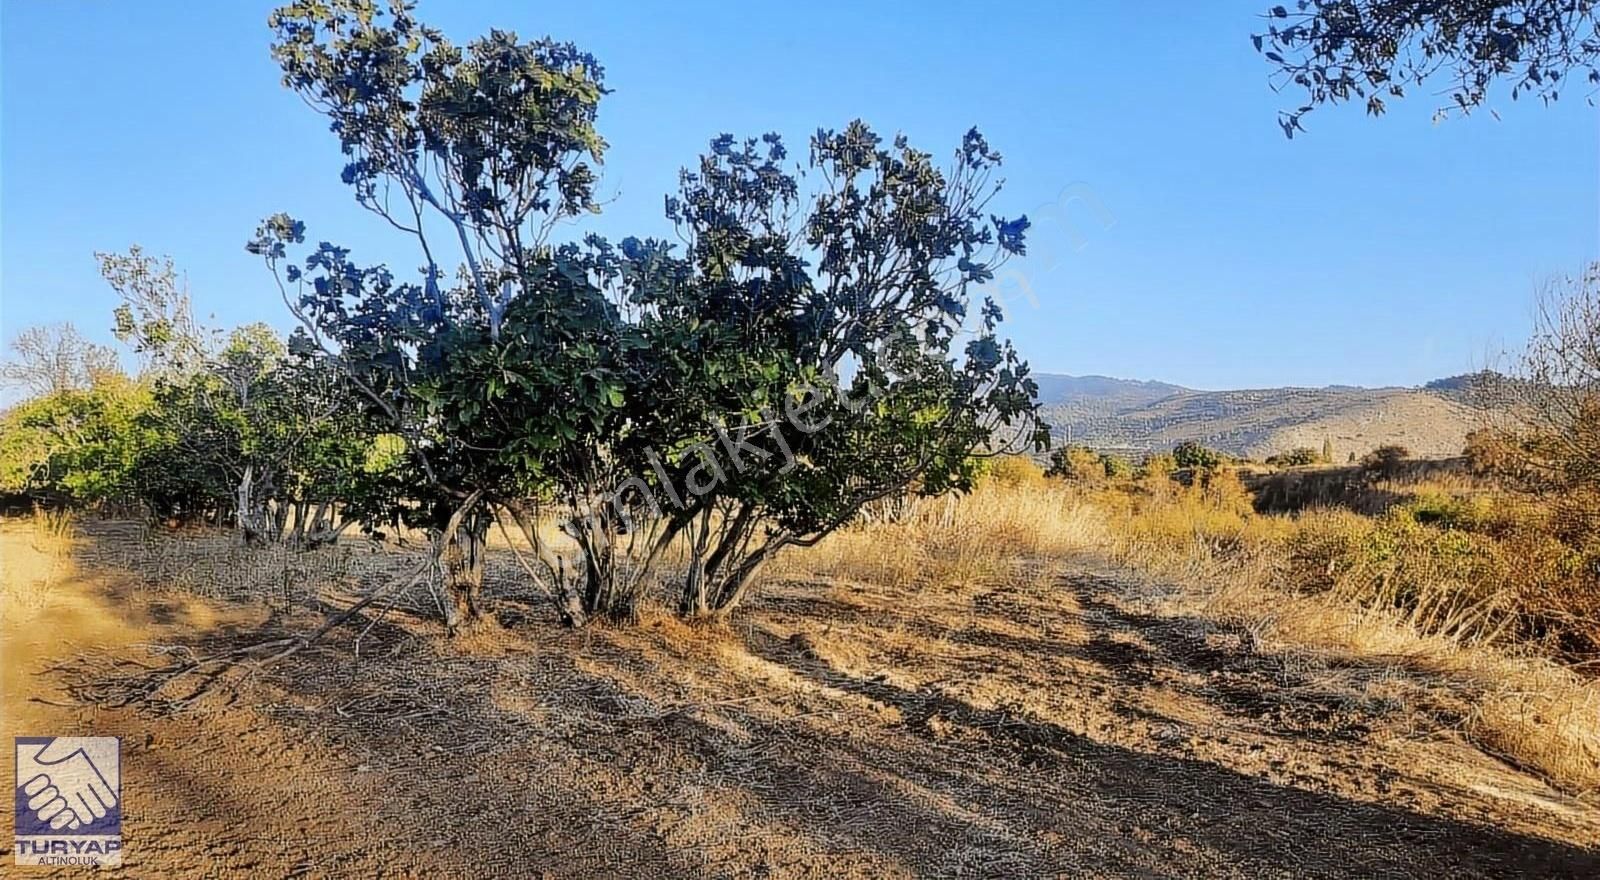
(1368, 251)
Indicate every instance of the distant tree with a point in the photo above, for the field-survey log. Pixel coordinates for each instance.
(1190, 454)
(1075, 463)
(1386, 459)
(80, 446)
(1556, 396)
(156, 315)
(1115, 467)
(237, 418)
(1327, 450)
(1298, 457)
(259, 433)
(1372, 50)
(55, 358)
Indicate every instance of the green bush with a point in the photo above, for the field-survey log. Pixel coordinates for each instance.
(1190, 454)
(1385, 460)
(1297, 457)
(1075, 463)
(1115, 466)
(1449, 511)
(81, 446)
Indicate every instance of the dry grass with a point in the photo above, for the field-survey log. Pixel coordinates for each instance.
(1332, 581)
(954, 692)
(1287, 579)
(29, 583)
(1001, 533)
(1526, 709)
(1382, 588)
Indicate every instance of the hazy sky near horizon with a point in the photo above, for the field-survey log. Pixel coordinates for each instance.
(1178, 235)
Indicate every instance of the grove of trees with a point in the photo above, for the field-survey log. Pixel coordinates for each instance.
(814, 339)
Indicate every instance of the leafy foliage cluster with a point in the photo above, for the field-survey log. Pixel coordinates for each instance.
(224, 427)
(1297, 457)
(1192, 455)
(807, 350)
(1373, 50)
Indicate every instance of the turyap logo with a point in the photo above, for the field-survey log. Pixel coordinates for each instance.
(69, 800)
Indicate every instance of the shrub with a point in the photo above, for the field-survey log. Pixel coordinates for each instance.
(1321, 546)
(1444, 581)
(1190, 454)
(1385, 460)
(1297, 457)
(1492, 453)
(1449, 511)
(1011, 471)
(598, 379)
(81, 446)
(1075, 463)
(1156, 466)
(1115, 466)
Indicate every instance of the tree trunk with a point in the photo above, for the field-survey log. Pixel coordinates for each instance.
(461, 561)
(245, 514)
(733, 587)
(608, 591)
(280, 520)
(297, 522)
(693, 603)
(706, 582)
(563, 594)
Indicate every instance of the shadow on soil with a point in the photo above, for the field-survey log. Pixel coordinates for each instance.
(540, 751)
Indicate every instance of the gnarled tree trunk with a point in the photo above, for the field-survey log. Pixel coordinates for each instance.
(250, 511)
(460, 553)
(723, 560)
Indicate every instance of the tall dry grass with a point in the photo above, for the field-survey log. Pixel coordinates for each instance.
(30, 580)
(1414, 585)
(1395, 589)
(1006, 531)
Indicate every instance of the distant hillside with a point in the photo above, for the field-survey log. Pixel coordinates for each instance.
(1056, 388)
(1141, 416)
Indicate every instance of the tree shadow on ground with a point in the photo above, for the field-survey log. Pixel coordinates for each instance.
(1225, 668)
(1254, 826)
(541, 751)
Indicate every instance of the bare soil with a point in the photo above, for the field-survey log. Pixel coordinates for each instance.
(834, 730)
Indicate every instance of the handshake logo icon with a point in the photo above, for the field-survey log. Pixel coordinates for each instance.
(69, 800)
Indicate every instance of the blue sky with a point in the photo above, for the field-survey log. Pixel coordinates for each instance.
(1179, 236)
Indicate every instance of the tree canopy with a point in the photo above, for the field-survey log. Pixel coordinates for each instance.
(1373, 51)
(55, 358)
(648, 394)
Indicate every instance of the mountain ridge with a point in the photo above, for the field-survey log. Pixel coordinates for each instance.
(1134, 415)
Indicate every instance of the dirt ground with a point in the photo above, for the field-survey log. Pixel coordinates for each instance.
(1068, 729)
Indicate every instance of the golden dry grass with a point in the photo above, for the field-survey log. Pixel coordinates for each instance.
(954, 692)
(1425, 609)
(1337, 581)
(1001, 533)
(30, 581)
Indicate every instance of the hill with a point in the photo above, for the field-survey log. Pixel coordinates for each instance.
(1139, 416)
